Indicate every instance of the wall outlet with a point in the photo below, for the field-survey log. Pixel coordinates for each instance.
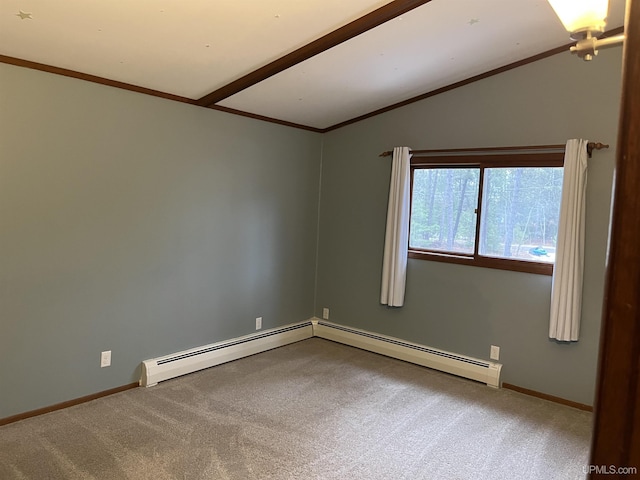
(495, 353)
(105, 359)
(325, 313)
(258, 323)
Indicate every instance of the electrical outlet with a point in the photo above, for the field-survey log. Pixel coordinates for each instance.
(105, 359)
(258, 323)
(325, 313)
(495, 353)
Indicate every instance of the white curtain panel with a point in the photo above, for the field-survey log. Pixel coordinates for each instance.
(566, 290)
(394, 267)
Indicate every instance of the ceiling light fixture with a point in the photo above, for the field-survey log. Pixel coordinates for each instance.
(585, 20)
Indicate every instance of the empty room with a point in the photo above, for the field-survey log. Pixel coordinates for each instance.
(321, 239)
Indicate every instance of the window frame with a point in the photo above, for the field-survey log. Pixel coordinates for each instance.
(481, 160)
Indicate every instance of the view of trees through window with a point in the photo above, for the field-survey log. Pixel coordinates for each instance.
(519, 211)
(443, 208)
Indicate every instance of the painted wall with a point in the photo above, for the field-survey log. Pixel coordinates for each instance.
(142, 226)
(459, 308)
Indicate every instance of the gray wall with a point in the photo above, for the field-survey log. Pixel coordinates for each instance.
(459, 308)
(142, 226)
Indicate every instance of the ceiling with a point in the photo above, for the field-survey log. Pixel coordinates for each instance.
(271, 58)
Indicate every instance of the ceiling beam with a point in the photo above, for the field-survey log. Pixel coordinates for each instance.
(342, 34)
(466, 81)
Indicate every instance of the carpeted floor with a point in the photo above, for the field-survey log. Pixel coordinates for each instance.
(310, 410)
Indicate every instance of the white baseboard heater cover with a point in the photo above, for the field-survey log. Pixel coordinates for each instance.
(188, 361)
(467, 367)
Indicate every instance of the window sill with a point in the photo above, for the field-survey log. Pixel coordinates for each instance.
(537, 268)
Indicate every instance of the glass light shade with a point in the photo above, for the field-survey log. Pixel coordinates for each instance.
(580, 16)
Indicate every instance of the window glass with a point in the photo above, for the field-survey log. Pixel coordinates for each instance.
(499, 210)
(520, 210)
(443, 209)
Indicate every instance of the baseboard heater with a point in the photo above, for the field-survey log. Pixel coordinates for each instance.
(467, 367)
(188, 361)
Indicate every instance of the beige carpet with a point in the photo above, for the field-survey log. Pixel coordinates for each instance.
(310, 410)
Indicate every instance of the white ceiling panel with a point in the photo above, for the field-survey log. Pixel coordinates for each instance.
(192, 48)
(435, 45)
(186, 48)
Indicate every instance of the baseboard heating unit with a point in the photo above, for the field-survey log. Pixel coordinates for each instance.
(468, 367)
(188, 361)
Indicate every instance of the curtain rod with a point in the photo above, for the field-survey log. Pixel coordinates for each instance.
(591, 146)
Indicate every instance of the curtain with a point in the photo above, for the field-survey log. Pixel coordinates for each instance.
(566, 289)
(396, 242)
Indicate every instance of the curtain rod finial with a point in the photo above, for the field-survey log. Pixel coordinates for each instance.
(595, 145)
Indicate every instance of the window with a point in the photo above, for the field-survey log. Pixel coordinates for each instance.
(496, 210)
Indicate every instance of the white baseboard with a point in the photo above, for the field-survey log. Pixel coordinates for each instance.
(188, 361)
(460, 365)
(163, 368)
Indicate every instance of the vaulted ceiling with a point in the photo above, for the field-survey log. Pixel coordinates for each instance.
(311, 63)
